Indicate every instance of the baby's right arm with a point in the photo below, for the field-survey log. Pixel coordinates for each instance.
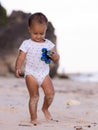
(19, 61)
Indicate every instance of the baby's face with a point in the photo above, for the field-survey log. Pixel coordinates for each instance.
(38, 32)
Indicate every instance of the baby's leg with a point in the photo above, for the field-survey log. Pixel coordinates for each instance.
(49, 95)
(32, 86)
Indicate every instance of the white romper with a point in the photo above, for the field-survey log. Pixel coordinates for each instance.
(34, 65)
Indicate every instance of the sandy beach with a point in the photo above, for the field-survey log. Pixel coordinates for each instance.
(75, 106)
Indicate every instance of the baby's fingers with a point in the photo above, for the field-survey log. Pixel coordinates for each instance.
(18, 72)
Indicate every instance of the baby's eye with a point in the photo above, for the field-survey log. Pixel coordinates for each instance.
(35, 33)
(41, 33)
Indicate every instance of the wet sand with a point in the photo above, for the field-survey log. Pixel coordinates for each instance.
(75, 106)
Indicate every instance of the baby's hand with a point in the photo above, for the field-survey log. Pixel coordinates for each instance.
(18, 73)
(50, 53)
(54, 56)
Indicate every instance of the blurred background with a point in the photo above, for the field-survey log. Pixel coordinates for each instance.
(73, 27)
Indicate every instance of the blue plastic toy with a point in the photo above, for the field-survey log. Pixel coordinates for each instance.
(46, 55)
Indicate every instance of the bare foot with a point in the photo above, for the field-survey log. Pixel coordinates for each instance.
(47, 114)
(35, 122)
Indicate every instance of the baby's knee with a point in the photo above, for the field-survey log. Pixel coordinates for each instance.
(35, 98)
(51, 94)
(49, 98)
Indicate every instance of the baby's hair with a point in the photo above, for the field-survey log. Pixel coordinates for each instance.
(37, 17)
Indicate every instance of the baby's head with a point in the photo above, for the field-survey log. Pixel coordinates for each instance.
(37, 18)
(37, 25)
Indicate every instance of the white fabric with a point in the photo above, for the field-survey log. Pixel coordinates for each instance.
(34, 65)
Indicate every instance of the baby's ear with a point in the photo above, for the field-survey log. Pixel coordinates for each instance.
(29, 29)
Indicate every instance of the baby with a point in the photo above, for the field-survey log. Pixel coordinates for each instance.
(37, 71)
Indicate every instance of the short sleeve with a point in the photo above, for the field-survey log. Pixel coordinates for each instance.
(51, 45)
(24, 46)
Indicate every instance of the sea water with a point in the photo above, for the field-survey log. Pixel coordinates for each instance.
(92, 77)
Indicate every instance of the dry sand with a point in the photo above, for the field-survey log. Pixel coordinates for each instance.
(75, 106)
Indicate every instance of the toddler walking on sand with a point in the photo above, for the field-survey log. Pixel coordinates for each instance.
(36, 70)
